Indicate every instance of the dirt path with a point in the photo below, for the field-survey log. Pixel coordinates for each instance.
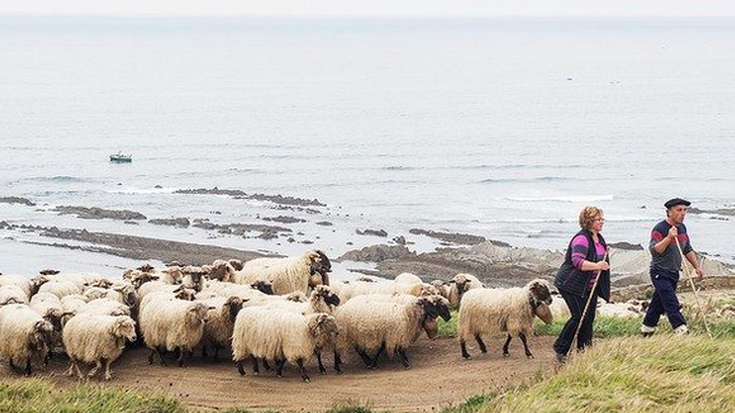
(438, 378)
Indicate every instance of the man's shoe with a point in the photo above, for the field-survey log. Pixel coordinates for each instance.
(681, 330)
(647, 331)
(561, 358)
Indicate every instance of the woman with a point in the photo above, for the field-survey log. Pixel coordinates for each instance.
(585, 262)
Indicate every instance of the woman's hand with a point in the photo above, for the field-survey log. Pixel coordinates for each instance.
(602, 266)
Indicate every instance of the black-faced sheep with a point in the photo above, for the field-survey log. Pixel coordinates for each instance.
(98, 339)
(288, 274)
(491, 311)
(460, 284)
(220, 323)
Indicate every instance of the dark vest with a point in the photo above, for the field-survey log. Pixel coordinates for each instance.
(575, 281)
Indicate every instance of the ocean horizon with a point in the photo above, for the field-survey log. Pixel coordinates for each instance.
(503, 128)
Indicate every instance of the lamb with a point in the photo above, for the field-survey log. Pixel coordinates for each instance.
(12, 294)
(280, 335)
(25, 337)
(374, 323)
(220, 324)
(98, 339)
(221, 270)
(172, 325)
(288, 274)
(460, 284)
(178, 293)
(490, 311)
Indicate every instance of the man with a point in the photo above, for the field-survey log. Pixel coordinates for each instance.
(666, 263)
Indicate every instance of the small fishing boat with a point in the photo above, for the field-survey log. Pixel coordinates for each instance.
(120, 157)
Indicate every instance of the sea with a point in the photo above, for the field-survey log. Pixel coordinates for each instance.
(499, 127)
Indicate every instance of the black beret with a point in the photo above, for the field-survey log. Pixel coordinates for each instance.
(676, 201)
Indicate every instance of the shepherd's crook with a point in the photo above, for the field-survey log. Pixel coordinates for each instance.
(691, 283)
(589, 300)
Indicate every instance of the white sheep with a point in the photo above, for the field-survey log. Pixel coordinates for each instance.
(220, 323)
(371, 324)
(490, 311)
(346, 290)
(222, 270)
(287, 274)
(49, 307)
(98, 339)
(321, 300)
(20, 281)
(280, 335)
(60, 288)
(25, 337)
(12, 294)
(460, 284)
(172, 325)
(104, 306)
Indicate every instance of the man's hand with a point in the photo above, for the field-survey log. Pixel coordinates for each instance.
(700, 273)
(603, 266)
(673, 232)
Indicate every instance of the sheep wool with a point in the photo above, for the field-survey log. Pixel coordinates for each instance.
(286, 274)
(98, 339)
(491, 311)
(25, 337)
(171, 325)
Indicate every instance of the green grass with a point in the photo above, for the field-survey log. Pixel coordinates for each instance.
(663, 373)
(34, 395)
(448, 329)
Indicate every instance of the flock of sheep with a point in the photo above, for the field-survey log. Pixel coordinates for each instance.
(268, 310)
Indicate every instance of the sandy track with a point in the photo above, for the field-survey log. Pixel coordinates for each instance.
(438, 378)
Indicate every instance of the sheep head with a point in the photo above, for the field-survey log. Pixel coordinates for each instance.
(324, 293)
(297, 297)
(124, 328)
(130, 296)
(233, 305)
(324, 326)
(435, 306)
(42, 336)
(539, 297)
(140, 278)
(221, 271)
(183, 293)
(265, 287)
(197, 314)
(145, 268)
(236, 264)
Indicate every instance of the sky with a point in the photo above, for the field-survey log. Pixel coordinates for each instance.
(364, 8)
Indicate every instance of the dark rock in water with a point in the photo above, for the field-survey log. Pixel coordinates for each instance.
(456, 238)
(291, 240)
(158, 187)
(400, 240)
(719, 211)
(377, 253)
(49, 271)
(5, 225)
(349, 243)
(173, 222)
(624, 245)
(307, 242)
(376, 232)
(283, 219)
(241, 229)
(131, 222)
(237, 194)
(325, 223)
(99, 213)
(16, 200)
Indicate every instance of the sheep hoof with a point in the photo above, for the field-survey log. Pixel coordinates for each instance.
(339, 372)
(108, 376)
(506, 354)
(306, 380)
(530, 356)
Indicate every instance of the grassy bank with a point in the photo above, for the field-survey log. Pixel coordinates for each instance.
(663, 373)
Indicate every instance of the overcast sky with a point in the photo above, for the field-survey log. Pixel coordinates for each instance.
(373, 7)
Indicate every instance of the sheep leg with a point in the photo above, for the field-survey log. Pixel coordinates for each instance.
(94, 371)
(279, 367)
(525, 345)
(240, 368)
(363, 354)
(216, 354)
(204, 351)
(337, 363)
(505, 346)
(256, 369)
(404, 358)
(302, 370)
(374, 361)
(106, 363)
(28, 367)
(15, 368)
(322, 370)
(266, 365)
(463, 346)
(75, 364)
(182, 355)
(483, 348)
(160, 355)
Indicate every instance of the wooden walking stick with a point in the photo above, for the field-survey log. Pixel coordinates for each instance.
(589, 300)
(694, 288)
